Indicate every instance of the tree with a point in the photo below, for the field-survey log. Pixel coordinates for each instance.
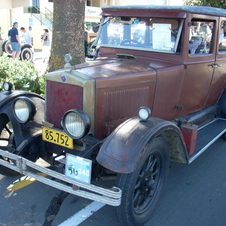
(68, 32)
(212, 3)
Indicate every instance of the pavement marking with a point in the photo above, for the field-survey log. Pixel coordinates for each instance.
(74, 220)
(83, 214)
(22, 182)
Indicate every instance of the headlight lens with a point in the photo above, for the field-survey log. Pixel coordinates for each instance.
(76, 123)
(24, 109)
(144, 113)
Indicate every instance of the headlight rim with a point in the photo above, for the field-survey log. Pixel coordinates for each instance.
(30, 106)
(85, 119)
(7, 86)
(148, 113)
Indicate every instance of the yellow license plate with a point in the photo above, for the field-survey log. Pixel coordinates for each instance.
(57, 137)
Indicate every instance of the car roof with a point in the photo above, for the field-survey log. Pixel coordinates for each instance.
(191, 9)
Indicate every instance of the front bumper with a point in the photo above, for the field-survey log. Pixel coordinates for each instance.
(57, 180)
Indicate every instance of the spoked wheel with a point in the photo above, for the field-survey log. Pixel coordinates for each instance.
(141, 189)
(6, 47)
(6, 143)
(26, 53)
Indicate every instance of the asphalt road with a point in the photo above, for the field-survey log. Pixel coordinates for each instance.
(195, 194)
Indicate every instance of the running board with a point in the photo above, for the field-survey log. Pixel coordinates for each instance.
(207, 135)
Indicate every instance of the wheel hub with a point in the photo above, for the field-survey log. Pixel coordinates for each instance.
(146, 184)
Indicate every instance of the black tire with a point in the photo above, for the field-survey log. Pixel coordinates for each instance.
(6, 47)
(224, 136)
(6, 141)
(222, 104)
(141, 189)
(26, 53)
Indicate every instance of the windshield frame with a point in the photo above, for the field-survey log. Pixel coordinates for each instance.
(110, 21)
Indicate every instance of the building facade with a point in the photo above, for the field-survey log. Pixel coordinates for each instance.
(39, 13)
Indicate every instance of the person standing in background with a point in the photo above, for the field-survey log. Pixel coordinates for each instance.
(14, 40)
(30, 31)
(26, 36)
(1, 34)
(45, 45)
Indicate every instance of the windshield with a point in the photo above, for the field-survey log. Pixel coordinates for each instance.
(149, 34)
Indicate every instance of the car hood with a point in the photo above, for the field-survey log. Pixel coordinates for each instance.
(116, 67)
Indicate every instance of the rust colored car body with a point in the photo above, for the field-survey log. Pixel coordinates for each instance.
(154, 91)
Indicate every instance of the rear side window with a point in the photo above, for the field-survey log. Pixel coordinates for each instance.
(222, 37)
(200, 37)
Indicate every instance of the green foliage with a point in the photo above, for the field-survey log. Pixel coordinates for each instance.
(22, 74)
(212, 3)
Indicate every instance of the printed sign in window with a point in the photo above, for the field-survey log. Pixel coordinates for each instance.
(162, 36)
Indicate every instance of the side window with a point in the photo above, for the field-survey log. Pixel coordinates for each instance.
(35, 3)
(200, 36)
(138, 32)
(222, 35)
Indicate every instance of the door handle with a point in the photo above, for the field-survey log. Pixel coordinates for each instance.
(216, 65)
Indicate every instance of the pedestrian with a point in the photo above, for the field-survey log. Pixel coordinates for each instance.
(1, 34)
(15, 41)
(30, 31)
(45, 45)
(26, 36)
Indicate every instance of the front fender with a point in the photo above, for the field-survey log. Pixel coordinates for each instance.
(27, 46)
(22, 131)
(121, 150)
(7, 96)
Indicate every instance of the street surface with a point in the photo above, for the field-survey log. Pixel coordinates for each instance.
(194, 195)
(38, 62)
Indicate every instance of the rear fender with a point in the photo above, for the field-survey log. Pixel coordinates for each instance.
(121, 150)
(22, 131)
(27, 46)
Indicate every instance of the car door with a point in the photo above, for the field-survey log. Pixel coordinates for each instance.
(198, 66)
(219, 76)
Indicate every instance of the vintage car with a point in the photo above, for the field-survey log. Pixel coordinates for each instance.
(153, 93)
(27, 52)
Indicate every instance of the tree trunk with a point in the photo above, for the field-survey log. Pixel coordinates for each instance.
(68, 32)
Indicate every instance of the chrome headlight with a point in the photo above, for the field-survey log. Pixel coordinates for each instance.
(7, 86)
(24, 109)
(76, 123)
(144, 113)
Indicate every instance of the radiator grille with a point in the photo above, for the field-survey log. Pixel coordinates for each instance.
(61, 97)
(124, 103)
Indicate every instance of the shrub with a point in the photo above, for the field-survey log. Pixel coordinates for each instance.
(22, 74)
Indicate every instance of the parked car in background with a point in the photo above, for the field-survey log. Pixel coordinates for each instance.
(154, 93)
(27, 52)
